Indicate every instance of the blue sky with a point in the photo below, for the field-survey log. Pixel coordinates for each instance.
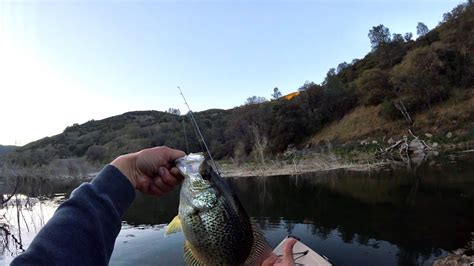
(66, 62)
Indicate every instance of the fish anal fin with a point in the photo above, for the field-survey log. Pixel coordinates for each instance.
(260, 248)
(189, 258)
(174, 226)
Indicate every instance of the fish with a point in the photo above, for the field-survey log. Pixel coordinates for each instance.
(217, 229)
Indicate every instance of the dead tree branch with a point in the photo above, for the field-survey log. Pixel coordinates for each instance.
(13, 193)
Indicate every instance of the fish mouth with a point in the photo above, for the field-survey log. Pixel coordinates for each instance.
(194, 163)
(190, 164)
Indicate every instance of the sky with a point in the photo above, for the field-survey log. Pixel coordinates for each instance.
(71, 61)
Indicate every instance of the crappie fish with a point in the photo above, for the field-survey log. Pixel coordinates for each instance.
(218, 231)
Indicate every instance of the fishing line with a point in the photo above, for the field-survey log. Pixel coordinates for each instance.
(185, 135)
(198, 132)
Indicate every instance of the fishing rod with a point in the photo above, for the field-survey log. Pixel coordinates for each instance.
(201, 140)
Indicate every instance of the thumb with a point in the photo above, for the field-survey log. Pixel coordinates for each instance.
(288, 252)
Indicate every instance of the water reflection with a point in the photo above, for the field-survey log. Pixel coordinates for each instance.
(387, 217)
(21, 219)
(26, 206)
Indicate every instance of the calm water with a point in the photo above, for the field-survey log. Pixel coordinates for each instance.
(388, 217)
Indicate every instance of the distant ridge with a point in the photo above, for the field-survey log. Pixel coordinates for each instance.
(7, 148)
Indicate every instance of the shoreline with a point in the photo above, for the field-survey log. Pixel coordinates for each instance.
(277, 168)
(356, 160)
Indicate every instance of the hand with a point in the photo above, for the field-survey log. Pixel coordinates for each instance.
(151, 171)
(286, 260)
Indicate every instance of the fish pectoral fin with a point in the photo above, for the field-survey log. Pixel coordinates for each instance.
(174, 226)
(189, 258)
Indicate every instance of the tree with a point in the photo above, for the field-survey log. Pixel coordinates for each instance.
(459, 9)
(96, 153)
(174, 111)
(355, 61)
(255, 100)
(260, 143)
(421, 29)
(330, 75)
(342, 66)
(420, 78)
(379, 35)
(447, 16)
(408, 36)
(397, 38)
(373, 87)
(333, 81)
(307, 84)
(276, 93)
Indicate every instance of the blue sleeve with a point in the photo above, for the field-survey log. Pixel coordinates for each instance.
(83, 229)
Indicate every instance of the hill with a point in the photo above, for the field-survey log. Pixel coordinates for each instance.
(6, 149)
(433, 76)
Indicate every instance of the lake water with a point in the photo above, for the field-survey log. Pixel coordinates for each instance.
(388, 217)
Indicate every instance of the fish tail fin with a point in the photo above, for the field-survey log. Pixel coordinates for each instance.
(174, 226)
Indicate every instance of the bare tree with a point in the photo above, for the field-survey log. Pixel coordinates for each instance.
(255, 100)
(174, 111)
(261, 142)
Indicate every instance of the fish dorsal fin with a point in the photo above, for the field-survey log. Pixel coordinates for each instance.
(174, 226)
(189, 258)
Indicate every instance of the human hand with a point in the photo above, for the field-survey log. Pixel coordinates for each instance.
(286, 260)
(151, 171)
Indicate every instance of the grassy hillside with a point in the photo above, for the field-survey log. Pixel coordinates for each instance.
(455, 115)
(433, 76)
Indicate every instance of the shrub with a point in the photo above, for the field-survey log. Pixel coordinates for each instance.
(95, 153)
(373, 87)
(389, 111)
(420, 77)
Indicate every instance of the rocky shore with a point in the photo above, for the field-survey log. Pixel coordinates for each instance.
(460, 257)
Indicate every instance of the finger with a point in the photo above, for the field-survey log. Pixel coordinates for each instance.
(288, 251)
(154, 190)
(158, 181)
(168, 178)
(270, 260)
(173, 154)
(177, 174)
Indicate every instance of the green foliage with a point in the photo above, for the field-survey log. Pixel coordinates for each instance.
(421, 29)
(379, 35)
(373, 87)
(96, 153)
(420, 78)
(389, 111)
(276, 93)
(398, 38)
(308, 84)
